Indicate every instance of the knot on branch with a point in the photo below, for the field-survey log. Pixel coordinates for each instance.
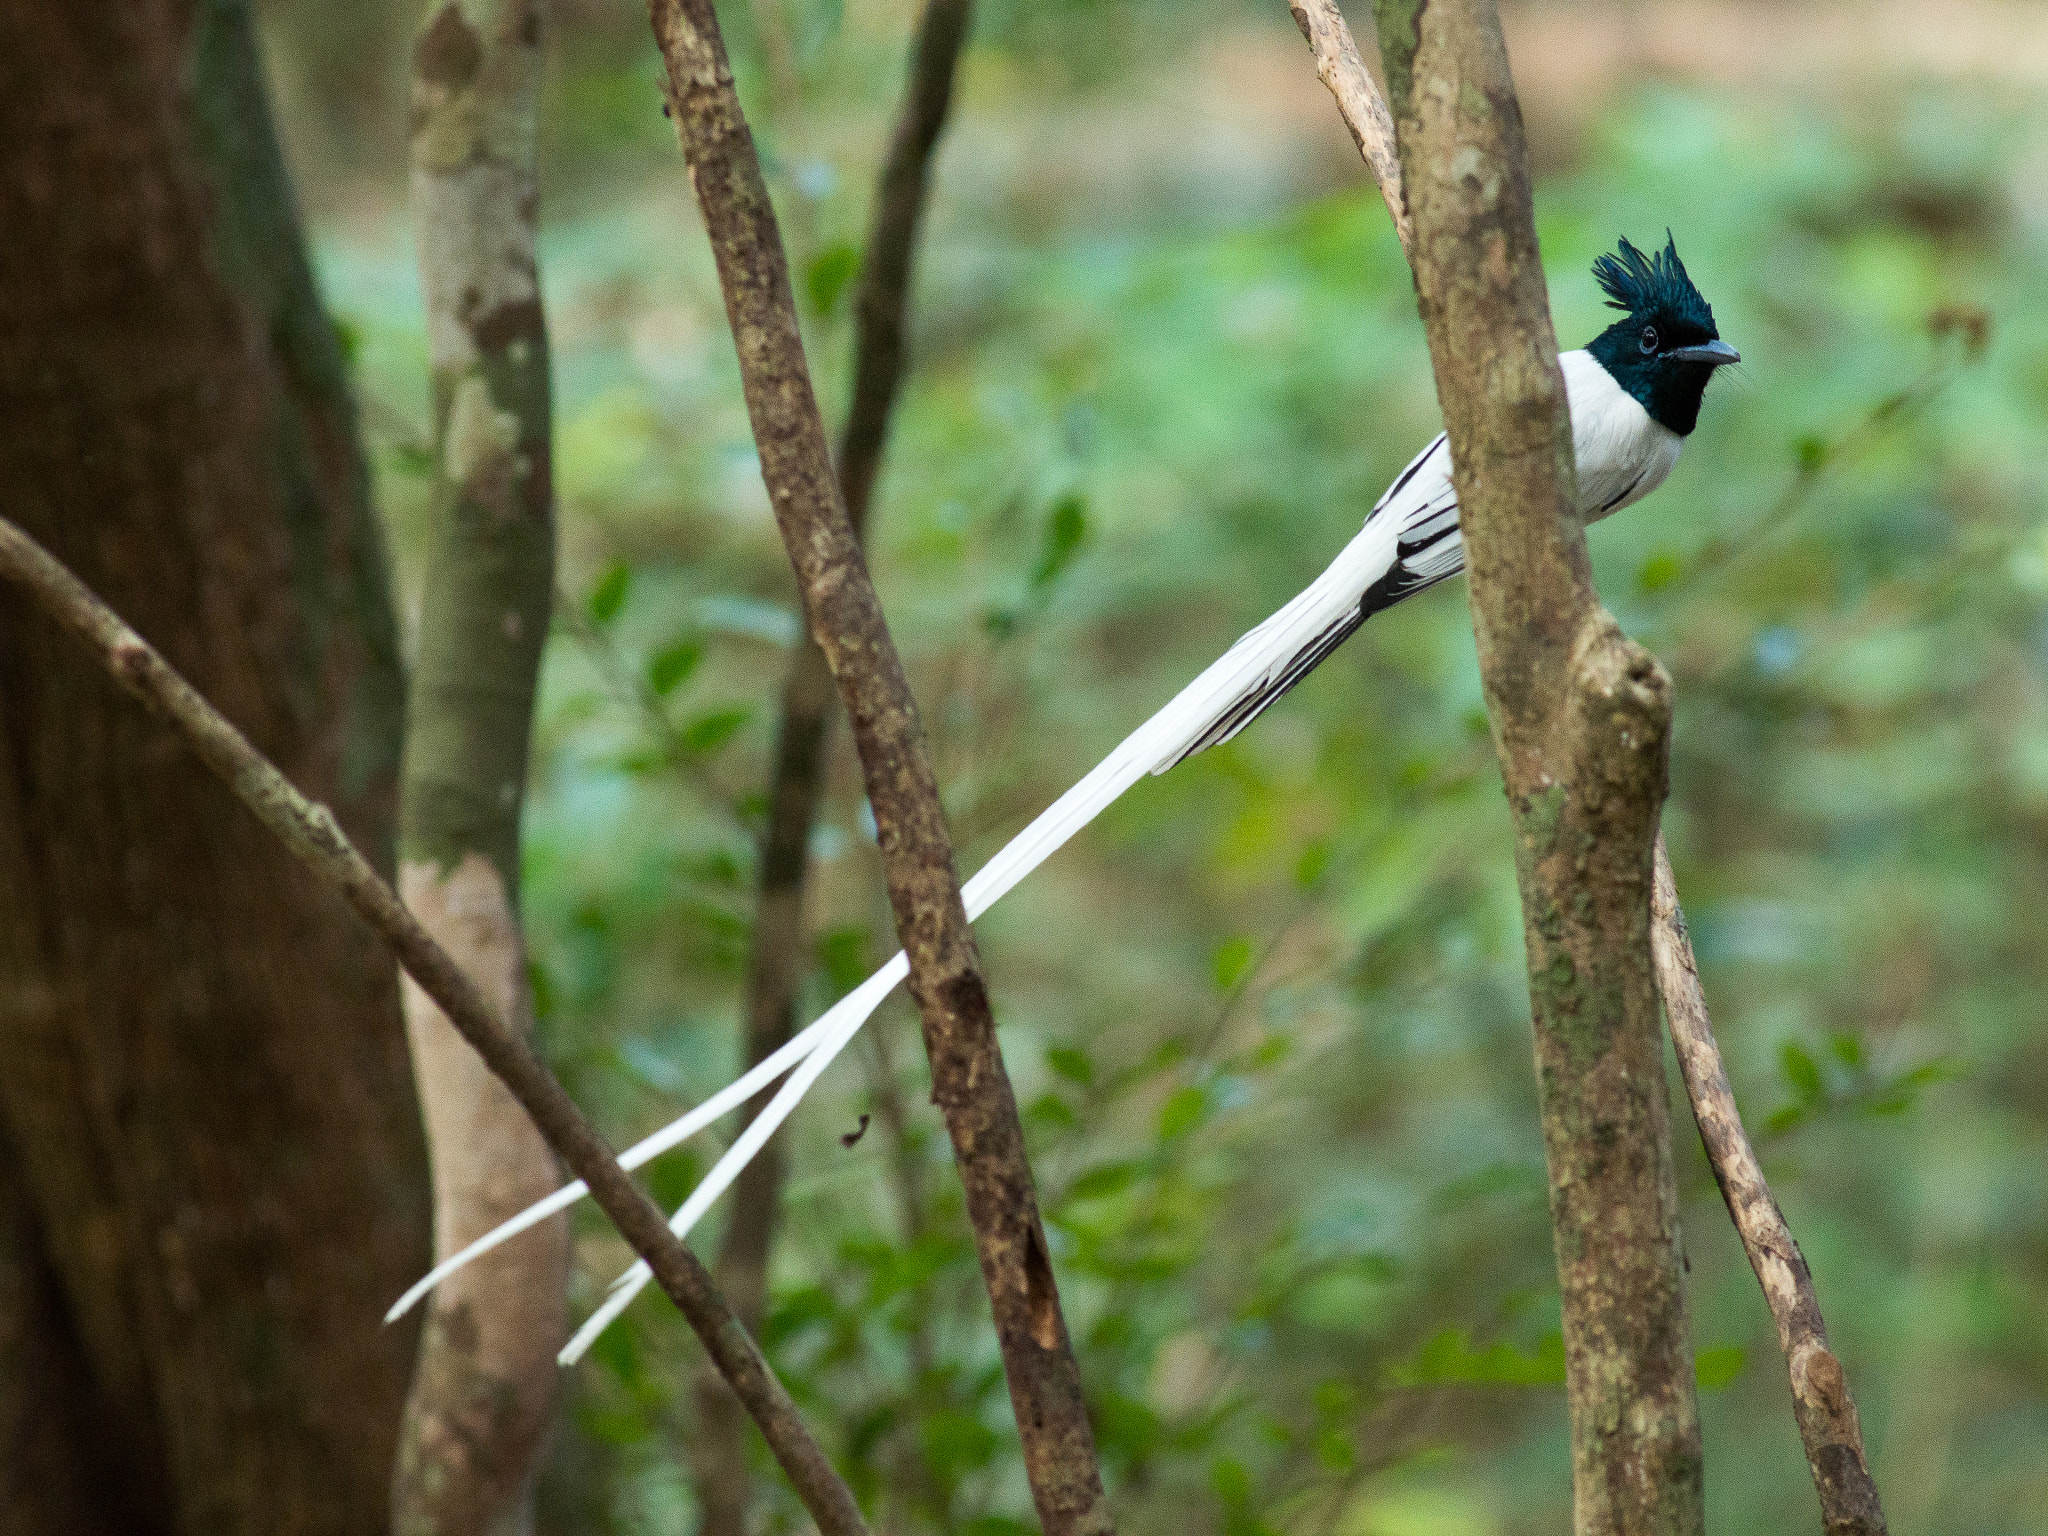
(1818, 1381)
(1616, 728)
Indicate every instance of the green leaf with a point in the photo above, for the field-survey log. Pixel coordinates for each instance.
(1233, 1484)
(1270, 1052)
(1231, 962)
(1449, 1357)
(707, 733)
(1801, 1070)
(411, 459)
(844, 955)
(1065, 530)
(825, 279)
(1072, 1063)
(1182, 1112)
(1715, 1368)
(1659, 571)
(671, 666)
(348, 338)
(956, 1442)
(1052, 1111)
(609, 595)
(1100, 1182)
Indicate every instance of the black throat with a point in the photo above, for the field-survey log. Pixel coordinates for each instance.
(1668, 389)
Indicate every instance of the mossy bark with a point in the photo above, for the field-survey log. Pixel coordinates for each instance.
(486, 1382)
(202, 1074)
(1581, 721)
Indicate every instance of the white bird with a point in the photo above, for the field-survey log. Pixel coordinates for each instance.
(1634, 396)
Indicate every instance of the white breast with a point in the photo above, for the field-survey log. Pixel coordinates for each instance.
(1623, 455)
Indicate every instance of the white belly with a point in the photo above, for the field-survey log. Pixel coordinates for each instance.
(1622, 454)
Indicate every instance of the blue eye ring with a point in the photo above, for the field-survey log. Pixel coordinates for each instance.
(1649, 339)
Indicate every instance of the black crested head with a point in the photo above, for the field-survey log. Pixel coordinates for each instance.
(1666, 348)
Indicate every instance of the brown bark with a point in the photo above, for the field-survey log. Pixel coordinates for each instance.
(968, 1080)
(1823, 1407)
(309, 830)
(780, 955)
(1821, 1402)
(1581, 722)
(485, 1388)
(59, 1474)
(201, 1068)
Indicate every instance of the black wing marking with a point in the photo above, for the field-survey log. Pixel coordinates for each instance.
(1428, 551)
(1249, 706)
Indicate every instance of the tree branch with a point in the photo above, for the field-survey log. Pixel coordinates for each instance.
(309, 830)
(484, 1389)
(1822, 1405)
(1359, 102)
(968, 1079)
(1581, 722)
(780, 951)
(1821, 1402)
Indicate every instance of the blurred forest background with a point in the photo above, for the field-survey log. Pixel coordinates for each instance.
(1268, 1019)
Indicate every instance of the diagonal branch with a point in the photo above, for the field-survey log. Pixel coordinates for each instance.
(1359, 102)
(969, 1082)
(309, 830)
(1821, 1402)
(779, 957)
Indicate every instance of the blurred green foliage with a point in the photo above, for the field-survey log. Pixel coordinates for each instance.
(1267, 1020)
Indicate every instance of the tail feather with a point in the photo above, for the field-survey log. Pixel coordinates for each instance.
(1234, 689)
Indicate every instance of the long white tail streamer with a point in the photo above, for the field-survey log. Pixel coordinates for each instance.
(720, 1103)
(1248, 668)
(843, 1022)
(1258, 657)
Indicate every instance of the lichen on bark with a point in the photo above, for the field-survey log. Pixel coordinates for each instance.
(486, 1381)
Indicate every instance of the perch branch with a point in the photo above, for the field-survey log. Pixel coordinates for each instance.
(1822, 1405)
(1581, 719)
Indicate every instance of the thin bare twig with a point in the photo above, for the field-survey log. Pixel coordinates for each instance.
(310, 831)
(1359, 101)
(1828, 1424)
(969, 1081)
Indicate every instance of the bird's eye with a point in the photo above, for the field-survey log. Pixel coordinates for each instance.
(1649, 338)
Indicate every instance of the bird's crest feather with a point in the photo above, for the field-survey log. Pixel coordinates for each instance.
(1652, 284)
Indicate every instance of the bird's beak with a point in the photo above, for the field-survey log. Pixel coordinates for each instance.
(1713, 354)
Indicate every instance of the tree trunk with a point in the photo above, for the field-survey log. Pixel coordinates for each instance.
(1581, 720)
(487, 1375)
(203, 1076)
